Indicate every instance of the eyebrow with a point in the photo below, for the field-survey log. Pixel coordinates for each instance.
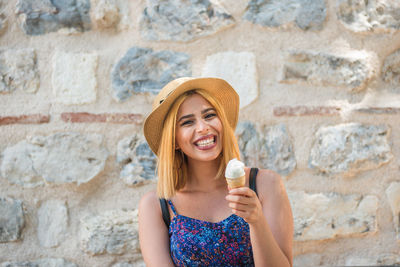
(192, 115)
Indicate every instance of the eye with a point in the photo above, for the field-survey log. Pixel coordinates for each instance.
(210, 115)
(185, 123)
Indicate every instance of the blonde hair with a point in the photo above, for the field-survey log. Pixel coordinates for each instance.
(172, 163)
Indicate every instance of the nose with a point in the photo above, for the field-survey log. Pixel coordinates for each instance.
(202, 126)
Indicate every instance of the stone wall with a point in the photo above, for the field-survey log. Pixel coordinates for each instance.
(320, 104)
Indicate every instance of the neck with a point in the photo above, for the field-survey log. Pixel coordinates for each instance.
(202, 175)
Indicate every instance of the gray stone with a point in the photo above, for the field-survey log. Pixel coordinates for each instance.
(137, 160)
(369, 16)
(272, 149)
(43, 16)
(114, 232)
(249, 143)
(143, 70)
(353, 70)
(18, 70)
(123, 264)
(329, 215)
(305, 14)
(182, 20)
(52, 223)
(48, 262)
(277, 150)
(59, 158)
(391, 68)
(11, 219)
(3, 19)
(350, 148)
(386, 259)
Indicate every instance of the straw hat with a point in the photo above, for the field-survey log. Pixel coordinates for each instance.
(220, 89)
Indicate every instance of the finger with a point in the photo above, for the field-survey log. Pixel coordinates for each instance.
(238, 206)
(239, 199)
(240, 213)
(245, 191)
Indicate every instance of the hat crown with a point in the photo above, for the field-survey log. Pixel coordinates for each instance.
(168, 89)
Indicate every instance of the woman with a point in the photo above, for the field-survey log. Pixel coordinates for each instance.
(191, 129)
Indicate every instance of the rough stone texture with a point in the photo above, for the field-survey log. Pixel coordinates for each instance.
(391, 68)
(306, 110)
(327, 216)
(123, 264)
(272, 149)
(114, 232)
(104, 13)
(144, 70)
(393, 195)
(42, 16)
(305, 14)
(350, 148)
(18, 70)
(137, 160)
(58, 158)
(11, 219)
(380, 260)
(353, 70)
(277, 152)
(49, 262)
(249, 143)
(52, 223)
(369, 16)
(3, 19)
(182, 20)
(74, 77)
(237, 68)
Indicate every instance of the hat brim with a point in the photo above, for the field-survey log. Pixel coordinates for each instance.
(219, 88)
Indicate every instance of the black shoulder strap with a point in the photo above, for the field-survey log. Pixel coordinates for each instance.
(165, 211)
(252, 181)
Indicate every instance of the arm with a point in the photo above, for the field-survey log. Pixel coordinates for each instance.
(153, 233)
(270, 219)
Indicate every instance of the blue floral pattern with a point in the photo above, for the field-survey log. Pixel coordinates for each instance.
(195, 242)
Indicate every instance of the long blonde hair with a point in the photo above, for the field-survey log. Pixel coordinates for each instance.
(172, 163)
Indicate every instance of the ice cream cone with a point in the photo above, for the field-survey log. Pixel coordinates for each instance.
(236, 182)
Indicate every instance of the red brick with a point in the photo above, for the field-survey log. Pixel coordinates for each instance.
(85, 117)
(305, 110)
(25, 119)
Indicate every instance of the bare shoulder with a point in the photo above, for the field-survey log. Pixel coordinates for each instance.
(149, 202)
(270, 185)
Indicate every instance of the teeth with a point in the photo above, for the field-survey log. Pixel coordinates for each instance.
(205, 142)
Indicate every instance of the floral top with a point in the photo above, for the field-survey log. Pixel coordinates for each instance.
(200, 243)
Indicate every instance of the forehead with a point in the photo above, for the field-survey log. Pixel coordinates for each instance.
(193, 103)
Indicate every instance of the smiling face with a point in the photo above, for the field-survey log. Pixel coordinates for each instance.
(198, 129)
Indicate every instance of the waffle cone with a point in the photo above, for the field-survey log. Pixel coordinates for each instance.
(236, 182)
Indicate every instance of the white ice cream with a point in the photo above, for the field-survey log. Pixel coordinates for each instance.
(234, 169)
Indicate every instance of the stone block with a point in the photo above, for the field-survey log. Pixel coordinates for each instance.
(46, 262)
(352, 70)
(113, 232)
(74, 77)
(181, 20)
(11, 219)
(271, 149)
(38, 17)
(306, 111)
(385, 259)
(238, 69)
(350, 148)
(18, 70)
(52, 223)
(330, 215)
(393, 195)
(104, 13)
(369, 16)
(143, 70)
(59, 158)
(85, 117)
(137, 160)
(305, 14)
(391, 68)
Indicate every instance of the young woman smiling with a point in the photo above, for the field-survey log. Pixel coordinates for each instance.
(201, 221)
